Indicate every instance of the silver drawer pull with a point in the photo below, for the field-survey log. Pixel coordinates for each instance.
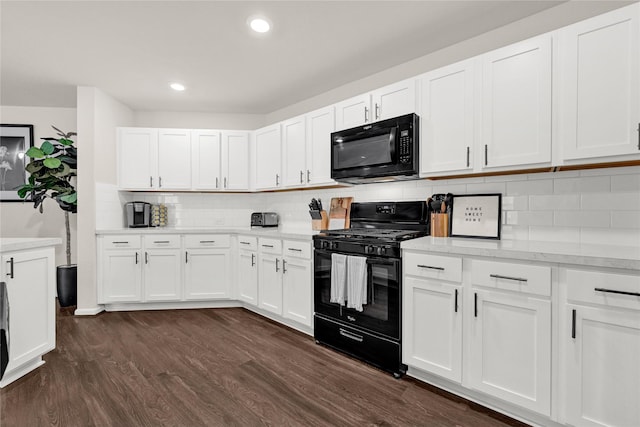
(431, 267)
(498, 276)
(207, 241)
(267, 246)
(160, 241)
(613, 291)
(295, 250)
(351, 336)
(120, 243)
(245, 243)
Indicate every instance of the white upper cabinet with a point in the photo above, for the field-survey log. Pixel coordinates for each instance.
(268, 174)
(205, 163)
(174, 159)
(235, 160)
(384, 103)
(516, 104)
(320, 124)
(137, 158)
(599, 86)
(446, 99)
(294, 152)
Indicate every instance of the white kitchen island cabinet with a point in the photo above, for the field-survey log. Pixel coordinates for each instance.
(28, 269)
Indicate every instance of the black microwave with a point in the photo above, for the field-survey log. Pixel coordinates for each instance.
(383, 151)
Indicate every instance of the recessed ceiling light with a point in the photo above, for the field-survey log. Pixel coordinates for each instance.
(259, 25)
(177, 86)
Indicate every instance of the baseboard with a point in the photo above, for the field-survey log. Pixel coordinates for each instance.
(88, 311)
(177, 305)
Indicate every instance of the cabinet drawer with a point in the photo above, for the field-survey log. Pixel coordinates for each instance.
(270, 246)
(162, 241)
(296, 249)
(532, 279)
(195, 241)
(433, 266)
(611, 289)
(125, 241)
(248, 242)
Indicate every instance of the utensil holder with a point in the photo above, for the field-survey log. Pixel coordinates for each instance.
(439, 225)
(320, 224)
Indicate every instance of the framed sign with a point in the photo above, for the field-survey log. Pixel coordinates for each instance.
(476, 215)
(15, 140)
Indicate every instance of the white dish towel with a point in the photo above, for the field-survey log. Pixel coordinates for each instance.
(338, 278)
(356, 282)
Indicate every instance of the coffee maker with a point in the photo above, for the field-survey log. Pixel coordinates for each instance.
(137, 214)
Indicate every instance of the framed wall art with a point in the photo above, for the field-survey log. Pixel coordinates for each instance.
(476, 215)
(15, 140)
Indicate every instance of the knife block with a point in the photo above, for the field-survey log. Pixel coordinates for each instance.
(439, 225)
(320, 224)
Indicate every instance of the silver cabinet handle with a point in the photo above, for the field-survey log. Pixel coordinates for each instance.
(10, 273)
(151, 181)
(308, 175)
(611, 291)
(377, 111)
(366, 114)
(186, 257)
(486, 154)
(120, 243)
(498, 276)
(301, 177)
(284, 266)
(351, 336)
(468, 152)
(207, 241)
(277, 180)
(146, 258)
(216, 182)
(159, 182)
(136, 258)
(277, 265)
(638, 136)
(267, 246)
(225, 182)
(431, 267)
(245, 243)
(160, 241)
(253, 260)
(294, 249)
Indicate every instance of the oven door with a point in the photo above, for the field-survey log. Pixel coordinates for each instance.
(381, 313)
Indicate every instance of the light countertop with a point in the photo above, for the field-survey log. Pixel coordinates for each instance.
(275, 232)
(625, 257)
(10, 244)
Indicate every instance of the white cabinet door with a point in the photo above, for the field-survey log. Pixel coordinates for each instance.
(320, 124)
(30, 279)
(174, 159)
(600, 86)
(248, 277)
(510, 348)
(353, 112)
(207, 274)
(297, 279)
(270, 283)
(294, 152)
(394, 100)
(268, 160)
(206, 160)
(447, 118)
(516, 113)
(121, 276)
(235, 160)
(601, 367)
(432, 335)
(137, 158)
(162, 278)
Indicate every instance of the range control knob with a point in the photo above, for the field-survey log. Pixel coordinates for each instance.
(334, 245)
(381, 250)
(324, 244)
(369, 249)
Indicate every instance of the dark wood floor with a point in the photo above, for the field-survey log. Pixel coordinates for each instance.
(218, 367)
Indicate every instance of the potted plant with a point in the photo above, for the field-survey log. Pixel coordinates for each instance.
(51, 169)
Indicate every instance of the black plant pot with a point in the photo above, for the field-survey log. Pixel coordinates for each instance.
(67, 283)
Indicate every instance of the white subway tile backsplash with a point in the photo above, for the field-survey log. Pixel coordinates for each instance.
(518, 188)
(625, 219)
(555, 234)
(554, 203)
(625, 182)
(627, 201)
(515, 203)
(628, 170)
(524, 218)
(581, 219)
(487, 187)
(610, 236)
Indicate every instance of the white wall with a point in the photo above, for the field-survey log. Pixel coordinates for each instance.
(18, 219)
(98, 117)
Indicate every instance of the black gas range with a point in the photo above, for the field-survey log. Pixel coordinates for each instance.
(358, 281)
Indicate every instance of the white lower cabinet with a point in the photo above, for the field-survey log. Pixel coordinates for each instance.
(206, 267)
(247, 284)
(297, 282)
(120, 269)
(602, 341)
(270, 275)
(30, 279)
(162, 268)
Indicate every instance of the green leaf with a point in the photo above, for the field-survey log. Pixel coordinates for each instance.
(47, 148)
(52, 163)
(33, 167)
(65, 141)
(71, 161)
(34, 153)
(24, 190)
(64, 171)
(70, 198)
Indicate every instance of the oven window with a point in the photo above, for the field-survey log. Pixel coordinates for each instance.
(380, 284)
(371, 151)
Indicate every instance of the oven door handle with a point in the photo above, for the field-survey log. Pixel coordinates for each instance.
(392, 143)
(378, 261)
(350, 335)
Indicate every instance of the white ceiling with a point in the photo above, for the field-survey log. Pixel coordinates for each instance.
(133, 49)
